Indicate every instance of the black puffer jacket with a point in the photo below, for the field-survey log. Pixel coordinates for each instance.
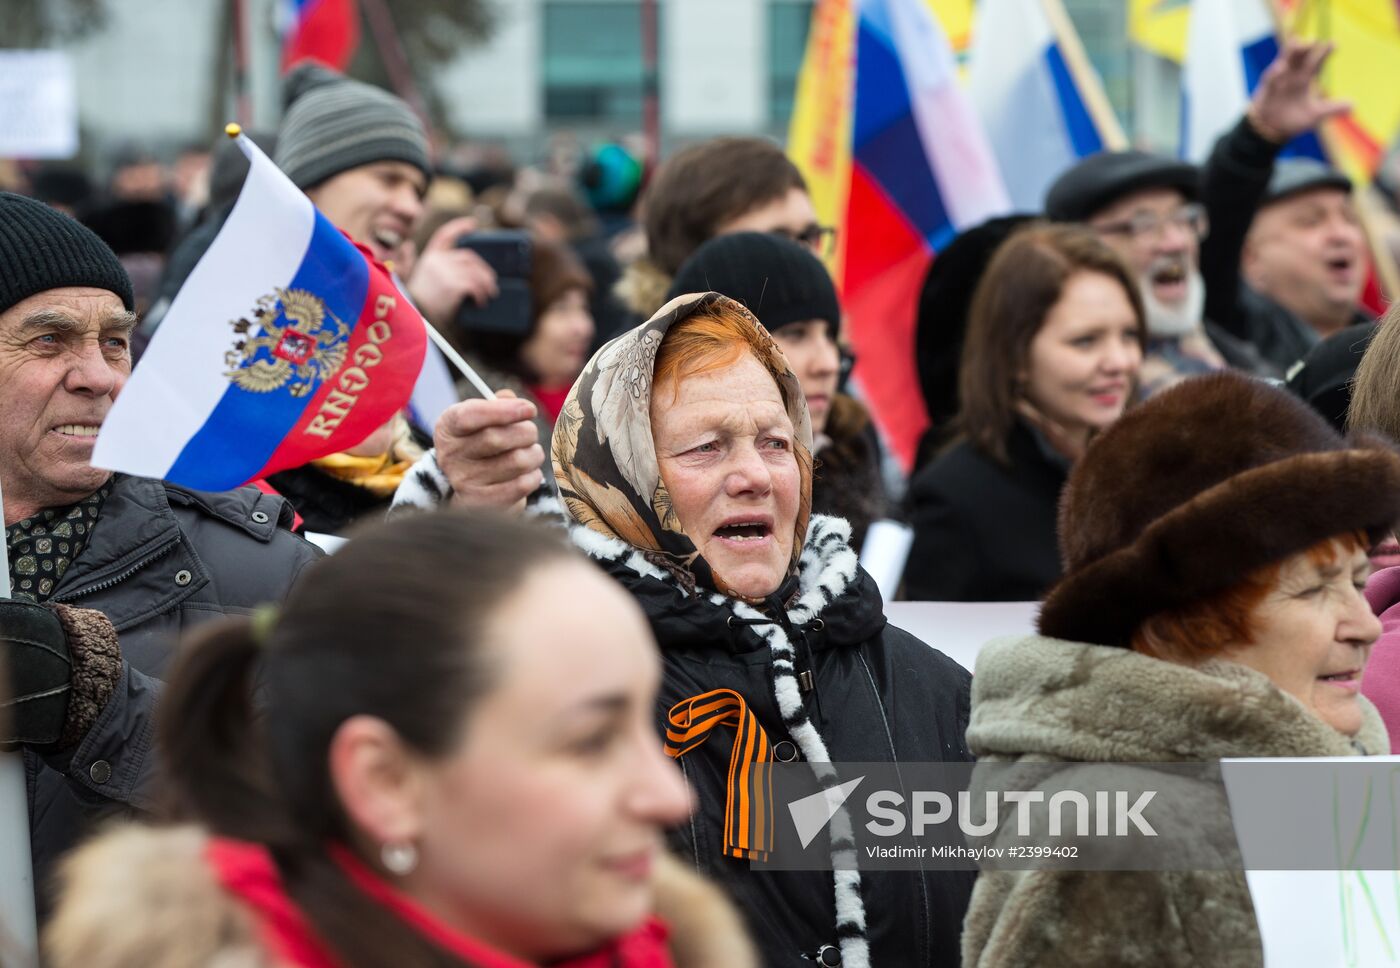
(881, 695)
(161, 560)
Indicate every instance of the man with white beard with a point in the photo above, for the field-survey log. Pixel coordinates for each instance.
(1181, 229)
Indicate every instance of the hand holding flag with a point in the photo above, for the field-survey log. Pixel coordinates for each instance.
(288, 342)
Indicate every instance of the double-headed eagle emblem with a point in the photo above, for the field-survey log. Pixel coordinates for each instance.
(304, 343)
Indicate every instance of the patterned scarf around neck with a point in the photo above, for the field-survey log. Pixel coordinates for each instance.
(42, 546)
(605, 457)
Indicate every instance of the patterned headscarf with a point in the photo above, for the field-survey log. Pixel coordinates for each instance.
(605, 456)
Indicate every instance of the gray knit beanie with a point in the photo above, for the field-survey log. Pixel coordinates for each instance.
(333, 124)
(43, 249)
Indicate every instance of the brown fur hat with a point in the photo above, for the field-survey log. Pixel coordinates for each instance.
(1190, 492)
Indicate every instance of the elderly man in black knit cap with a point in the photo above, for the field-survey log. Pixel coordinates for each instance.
(1181, 229)
(106, 569)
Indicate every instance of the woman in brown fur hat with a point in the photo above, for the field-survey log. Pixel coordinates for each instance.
(1214, 542)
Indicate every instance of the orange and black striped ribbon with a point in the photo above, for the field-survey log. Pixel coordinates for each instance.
(748, 809)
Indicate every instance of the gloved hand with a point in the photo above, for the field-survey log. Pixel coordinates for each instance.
(58, 667)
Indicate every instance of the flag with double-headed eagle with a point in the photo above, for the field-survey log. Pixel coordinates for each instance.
(288, 342)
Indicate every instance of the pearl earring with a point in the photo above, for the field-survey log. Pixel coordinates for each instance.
(399, 859)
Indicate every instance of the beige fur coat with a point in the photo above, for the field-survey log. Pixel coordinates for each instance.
(1042, 700)
(143, 897)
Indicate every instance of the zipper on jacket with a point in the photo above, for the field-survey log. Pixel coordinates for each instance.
(106, 583)
(806, 678)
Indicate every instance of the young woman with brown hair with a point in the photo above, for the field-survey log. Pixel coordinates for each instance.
(1053, 348)
(453, 763)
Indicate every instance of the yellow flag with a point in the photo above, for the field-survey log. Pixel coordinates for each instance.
(955, 17)
(1367, 35)
(1160, 26)
(819, 135)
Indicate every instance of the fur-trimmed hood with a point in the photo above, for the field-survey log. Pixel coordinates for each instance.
(1074, 701)
(146, 896)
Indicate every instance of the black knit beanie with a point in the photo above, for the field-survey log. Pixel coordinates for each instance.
(778, 280)
(334, 123)
(43, 249)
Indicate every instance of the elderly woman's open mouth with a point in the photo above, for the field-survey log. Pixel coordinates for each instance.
(745, 529)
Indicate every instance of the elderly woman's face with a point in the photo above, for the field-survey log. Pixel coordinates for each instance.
(725, 447)
(1314, 632)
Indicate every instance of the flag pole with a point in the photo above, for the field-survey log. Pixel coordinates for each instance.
(18, 921)
(1085, 77)
(455, 358)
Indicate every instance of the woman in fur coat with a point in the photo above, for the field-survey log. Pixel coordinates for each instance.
(452, 763)
(1215, 546)
(684, 462)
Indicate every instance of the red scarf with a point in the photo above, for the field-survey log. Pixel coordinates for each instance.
(552, 401)
(247, 871)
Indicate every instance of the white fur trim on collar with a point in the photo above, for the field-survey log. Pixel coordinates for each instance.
(825, 569)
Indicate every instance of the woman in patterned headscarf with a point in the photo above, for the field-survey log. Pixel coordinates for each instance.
(683, 458)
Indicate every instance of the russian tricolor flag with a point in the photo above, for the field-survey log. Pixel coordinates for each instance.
(287, 343)
(922, 171)
(1229, 44)
(1033, 95)
(327, 31)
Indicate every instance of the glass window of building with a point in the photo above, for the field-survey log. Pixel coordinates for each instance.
(788, 23)
(593, 67)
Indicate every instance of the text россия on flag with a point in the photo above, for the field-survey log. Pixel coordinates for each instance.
(287, 343)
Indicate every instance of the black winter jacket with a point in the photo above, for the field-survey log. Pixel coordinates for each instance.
(984, 532)
(327, 505)
(881, 695)
(161, 559)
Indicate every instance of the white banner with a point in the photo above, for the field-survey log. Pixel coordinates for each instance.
(960, 629)
(38, 105)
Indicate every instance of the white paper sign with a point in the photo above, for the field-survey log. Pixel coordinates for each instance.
(1321, 918)
(884, 554)
(38, 105)
(960, 629)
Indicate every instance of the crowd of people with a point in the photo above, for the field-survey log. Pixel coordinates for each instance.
(512, 720)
